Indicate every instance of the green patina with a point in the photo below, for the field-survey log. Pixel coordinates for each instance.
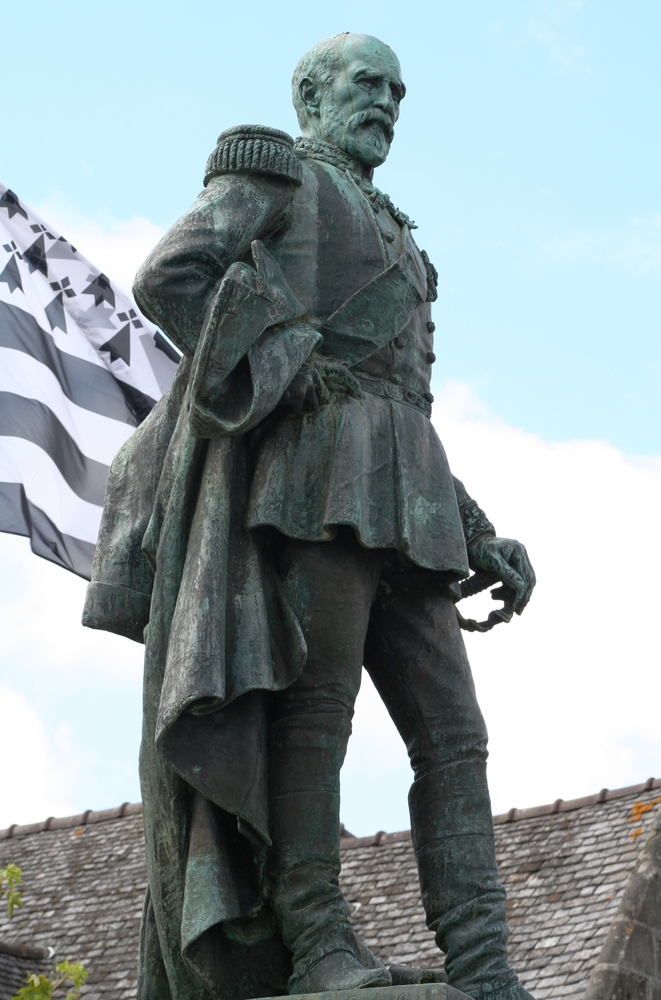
(267, 530)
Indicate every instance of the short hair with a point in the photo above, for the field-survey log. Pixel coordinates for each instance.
(319, 64)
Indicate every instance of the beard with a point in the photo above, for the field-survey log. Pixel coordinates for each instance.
(366, 135)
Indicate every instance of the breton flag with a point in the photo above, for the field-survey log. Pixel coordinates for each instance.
(80, 367)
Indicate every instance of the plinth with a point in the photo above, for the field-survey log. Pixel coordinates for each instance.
(424, 991)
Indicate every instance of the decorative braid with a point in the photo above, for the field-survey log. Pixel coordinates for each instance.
(473, 519)
(316, 149)
(432, 277)
(254, 149)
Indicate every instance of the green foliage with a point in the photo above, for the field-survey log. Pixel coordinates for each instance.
(10, 878)
(42, 988)
(39, 987)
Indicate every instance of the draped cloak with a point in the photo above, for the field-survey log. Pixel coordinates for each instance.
(247, 285)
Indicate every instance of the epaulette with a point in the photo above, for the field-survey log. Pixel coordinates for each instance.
(432, 277)
(254, 149)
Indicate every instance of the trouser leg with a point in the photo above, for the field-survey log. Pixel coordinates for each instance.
(417, 660)
(330, 587)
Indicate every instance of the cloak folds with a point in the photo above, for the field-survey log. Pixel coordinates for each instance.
(175, 551)
(220, 635)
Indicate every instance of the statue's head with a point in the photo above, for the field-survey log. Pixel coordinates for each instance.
(347, 90)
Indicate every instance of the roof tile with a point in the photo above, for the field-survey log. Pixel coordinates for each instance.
(565, 867)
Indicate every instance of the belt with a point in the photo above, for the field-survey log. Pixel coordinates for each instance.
(398, 393)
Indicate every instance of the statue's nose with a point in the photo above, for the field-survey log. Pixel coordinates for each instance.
(383, 100)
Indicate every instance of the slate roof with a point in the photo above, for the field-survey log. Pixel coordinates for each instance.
(84, 879)
(565, 867)
(15, 965)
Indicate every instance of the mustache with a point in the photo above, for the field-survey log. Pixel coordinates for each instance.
(372, 116)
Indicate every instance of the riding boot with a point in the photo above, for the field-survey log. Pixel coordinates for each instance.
(452, 831)
(311, 911)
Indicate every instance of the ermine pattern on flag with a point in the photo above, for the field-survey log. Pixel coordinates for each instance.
(80, 367)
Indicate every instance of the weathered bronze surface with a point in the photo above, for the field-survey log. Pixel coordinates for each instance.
(431, 991)
(284, 516)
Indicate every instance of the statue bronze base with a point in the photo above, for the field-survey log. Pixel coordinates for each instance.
(424, 991)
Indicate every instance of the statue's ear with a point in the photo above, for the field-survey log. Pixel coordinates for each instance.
(310, 93)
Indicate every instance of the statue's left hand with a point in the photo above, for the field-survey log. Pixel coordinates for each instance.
(507, 560)
(316, 381)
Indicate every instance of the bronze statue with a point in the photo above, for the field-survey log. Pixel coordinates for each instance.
(285, 515)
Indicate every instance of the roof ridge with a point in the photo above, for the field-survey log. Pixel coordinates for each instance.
(374, 840)
(562, 806)
(559, 806)
(64, 822)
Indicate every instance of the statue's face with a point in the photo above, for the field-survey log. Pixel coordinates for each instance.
(358, 109)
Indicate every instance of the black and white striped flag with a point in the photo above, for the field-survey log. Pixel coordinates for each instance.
(80, 367)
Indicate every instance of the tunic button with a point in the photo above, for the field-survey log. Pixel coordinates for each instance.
(429, 396)
(431, 326)
(431, 357)
(400, 342)
(389, 237)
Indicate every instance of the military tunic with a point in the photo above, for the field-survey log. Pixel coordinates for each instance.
(374, 463)
(179, 550)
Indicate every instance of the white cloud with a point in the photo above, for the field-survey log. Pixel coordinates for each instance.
(571, 690)
(116, 246)
(636, 246)
(53, 673)
(40, 610)
(550, 24)
(36, 774)
(553, 29)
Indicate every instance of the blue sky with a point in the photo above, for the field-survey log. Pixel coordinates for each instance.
(528, 151)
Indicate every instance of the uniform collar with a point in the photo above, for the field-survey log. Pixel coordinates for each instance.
(315, 149)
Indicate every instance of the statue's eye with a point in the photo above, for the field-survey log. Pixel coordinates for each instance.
(369, 82)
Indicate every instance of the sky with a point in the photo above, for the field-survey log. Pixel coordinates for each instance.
(528, 151)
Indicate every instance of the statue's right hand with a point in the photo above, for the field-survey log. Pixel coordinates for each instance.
(306, 391)
(338, 377)
(316, 381)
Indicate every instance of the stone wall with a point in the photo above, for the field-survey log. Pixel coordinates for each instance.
(18, 962)
(629, 966)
